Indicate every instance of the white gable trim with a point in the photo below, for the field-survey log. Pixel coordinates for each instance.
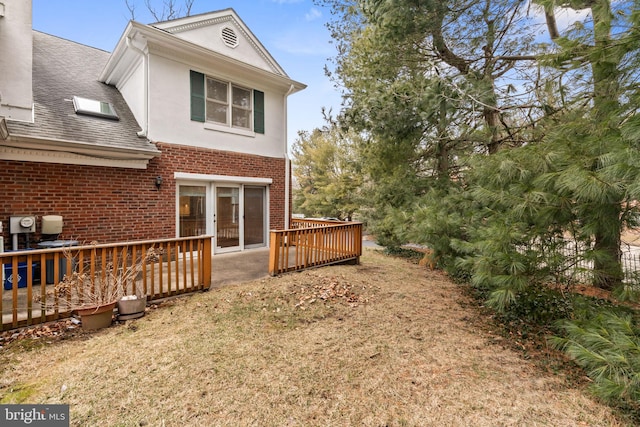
(161, 42)
(229, 18)
(221, 178)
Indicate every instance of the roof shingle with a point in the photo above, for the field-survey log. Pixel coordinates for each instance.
(62, 69)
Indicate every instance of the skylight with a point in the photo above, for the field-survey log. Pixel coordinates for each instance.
(92, 107)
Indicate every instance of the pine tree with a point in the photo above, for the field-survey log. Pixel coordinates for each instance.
(327, 174)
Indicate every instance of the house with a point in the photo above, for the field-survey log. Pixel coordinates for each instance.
(180, 131)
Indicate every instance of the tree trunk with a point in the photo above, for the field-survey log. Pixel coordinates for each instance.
(442, 149)
(492, 119)
(608, 270)
(607, 266)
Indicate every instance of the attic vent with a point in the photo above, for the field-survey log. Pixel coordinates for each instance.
(229, 37)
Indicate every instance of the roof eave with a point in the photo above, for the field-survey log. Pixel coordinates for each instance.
(118, 60)
(78, 147)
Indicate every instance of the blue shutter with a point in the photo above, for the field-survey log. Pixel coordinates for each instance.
(197, 96)
(258, 111)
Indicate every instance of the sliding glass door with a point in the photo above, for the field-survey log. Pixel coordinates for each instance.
(254, 219)
(235, 214)
(192, 210)
(227, 217)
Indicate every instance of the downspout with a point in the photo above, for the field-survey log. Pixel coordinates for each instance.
(145, 65)
(287, 164)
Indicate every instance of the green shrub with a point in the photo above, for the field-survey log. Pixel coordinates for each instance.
(607, 346)
(401, 252)
(458, 274)
(540, 306)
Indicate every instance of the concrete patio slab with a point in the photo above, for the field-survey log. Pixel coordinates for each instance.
(238, 267)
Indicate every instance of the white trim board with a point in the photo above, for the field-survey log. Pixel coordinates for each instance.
(221, 178)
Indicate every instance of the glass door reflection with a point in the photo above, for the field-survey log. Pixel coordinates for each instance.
(254, 216)
(192, 210)
(228, 217)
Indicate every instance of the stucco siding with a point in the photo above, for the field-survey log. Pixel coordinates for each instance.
(170, 120)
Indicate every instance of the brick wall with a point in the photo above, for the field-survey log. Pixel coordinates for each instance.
(116, 204)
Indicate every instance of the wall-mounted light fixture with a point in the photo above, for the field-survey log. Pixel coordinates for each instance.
(4, 130)
(158, 182)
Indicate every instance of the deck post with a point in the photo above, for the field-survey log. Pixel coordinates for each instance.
(206, 265)
(275, 241)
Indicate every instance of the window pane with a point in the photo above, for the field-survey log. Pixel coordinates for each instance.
(241, 97)
(192, 210)
(94, 108)
(254, 215)
(241, 118)
(228, 217)
(217, 90)
(216, 112)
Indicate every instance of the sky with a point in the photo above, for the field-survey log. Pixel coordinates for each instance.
(293, 31)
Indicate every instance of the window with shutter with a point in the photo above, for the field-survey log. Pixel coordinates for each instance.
(227, 104)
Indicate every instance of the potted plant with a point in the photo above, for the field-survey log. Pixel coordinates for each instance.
(133, 303)
(93, 293)
(131, 306)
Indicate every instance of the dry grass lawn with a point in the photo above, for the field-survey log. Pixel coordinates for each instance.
(384, 343)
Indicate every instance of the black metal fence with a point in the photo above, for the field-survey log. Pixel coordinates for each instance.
(573, 263)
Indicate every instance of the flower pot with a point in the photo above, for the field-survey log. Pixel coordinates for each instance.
(131, 308)
(97, 317)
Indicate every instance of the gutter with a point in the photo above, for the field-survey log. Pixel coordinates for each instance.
(287, 163)
(27, 142)
(145, 64)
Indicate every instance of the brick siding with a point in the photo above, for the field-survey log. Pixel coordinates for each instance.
(116, 204)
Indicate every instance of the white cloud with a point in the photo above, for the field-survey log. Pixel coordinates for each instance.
(565, 17)
(304, 43)
(313, 14)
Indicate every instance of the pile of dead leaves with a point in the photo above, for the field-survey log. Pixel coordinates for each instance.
(49, 331)
(326, 289)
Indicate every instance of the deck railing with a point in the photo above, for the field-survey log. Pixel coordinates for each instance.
(312, 243)
(183, 265)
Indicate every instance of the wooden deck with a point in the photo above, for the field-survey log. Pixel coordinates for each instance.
(185, 265)
(314, 243)
(182, 265)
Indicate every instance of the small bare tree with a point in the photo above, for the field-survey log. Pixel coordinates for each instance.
(170, 9)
